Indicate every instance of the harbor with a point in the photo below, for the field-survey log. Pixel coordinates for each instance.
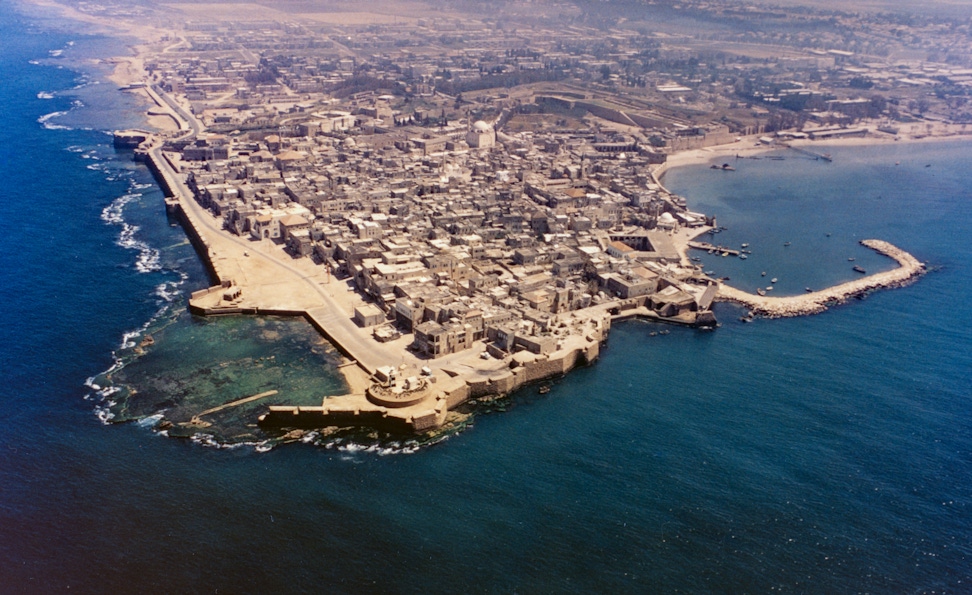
(813, 302)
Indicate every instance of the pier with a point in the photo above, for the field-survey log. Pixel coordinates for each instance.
(713, 248)
(815, 302)
(809, 153)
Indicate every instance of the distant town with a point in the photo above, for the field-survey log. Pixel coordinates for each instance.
(486, 188)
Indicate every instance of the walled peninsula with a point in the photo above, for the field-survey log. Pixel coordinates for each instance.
(457, 225)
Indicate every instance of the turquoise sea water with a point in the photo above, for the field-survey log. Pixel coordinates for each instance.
(823, 454)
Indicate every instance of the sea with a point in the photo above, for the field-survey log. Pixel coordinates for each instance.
(822, 454)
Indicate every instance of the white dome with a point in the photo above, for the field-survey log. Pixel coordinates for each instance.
(481, 126)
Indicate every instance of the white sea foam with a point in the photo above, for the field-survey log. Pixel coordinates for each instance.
(56, 53)
(45, 95)
(378, 448)
(34, 62)
(45, 121)
(149, 258)
(211, 442)
(169, 291)
(128, 339)
(103, 412)
(150, 421)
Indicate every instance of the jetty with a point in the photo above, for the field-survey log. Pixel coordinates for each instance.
(815, 302)
(713, 248)
(808, 152)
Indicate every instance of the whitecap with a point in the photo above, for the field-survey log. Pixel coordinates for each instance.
(56, 53)
(45, 95)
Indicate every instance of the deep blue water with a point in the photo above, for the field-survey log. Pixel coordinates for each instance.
(822, 454)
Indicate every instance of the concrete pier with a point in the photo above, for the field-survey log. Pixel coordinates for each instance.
(812, 303)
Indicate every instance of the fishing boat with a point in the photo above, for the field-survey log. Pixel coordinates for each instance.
(860, 270)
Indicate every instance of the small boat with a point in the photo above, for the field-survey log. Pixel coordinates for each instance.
(773, 280)
(859, 270)
(769, 288)
(745, 245)
(808, 290)
(786, 243)
(743, 257)
(543, 390)
(763, 274)
(761, 291)
(851, 259)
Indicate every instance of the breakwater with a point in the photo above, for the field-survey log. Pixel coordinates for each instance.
(815, 302)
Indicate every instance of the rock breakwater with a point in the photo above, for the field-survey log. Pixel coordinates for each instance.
(909, 269)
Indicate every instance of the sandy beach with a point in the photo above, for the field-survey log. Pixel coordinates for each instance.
(748, 146)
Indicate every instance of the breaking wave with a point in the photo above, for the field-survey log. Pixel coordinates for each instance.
(148, 259)
(45, 121)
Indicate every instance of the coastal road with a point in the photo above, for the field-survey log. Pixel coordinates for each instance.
(188, 118)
